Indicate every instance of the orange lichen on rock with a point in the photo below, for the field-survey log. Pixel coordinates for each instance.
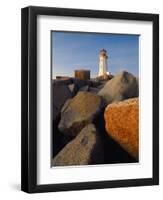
(122, 124)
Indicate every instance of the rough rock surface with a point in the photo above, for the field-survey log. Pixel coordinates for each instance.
(63, 81)
(122, 86)
(61, 94)
(80, 83)
(94, 90)
(73, 88)
(84, 88)
(95, 82)
(122, 124)
(78, 112)
(85, 149)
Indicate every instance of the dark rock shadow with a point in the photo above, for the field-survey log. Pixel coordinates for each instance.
(59, 140)
(113, 152)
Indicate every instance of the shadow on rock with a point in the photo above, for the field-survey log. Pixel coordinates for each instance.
(113, 152)
(58, 139)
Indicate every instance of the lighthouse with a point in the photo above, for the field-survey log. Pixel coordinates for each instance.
(103, 67)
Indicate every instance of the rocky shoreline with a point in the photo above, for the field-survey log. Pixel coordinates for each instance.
(93, 123)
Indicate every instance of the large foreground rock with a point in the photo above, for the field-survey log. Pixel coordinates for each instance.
(122, 86)
(85, 149)
(78, 112)
(61, 93)
(122, 124)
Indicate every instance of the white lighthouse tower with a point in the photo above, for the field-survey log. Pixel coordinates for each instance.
(103, 67)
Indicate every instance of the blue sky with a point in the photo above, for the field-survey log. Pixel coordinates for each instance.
(73, 50)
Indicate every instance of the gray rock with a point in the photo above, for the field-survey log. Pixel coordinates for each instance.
(61, 94)
(94, 90)
(62, 81)
(122, 86)
(64, 107)
(95, 82)
(80, 83)
(78, 112)
(84, 88)
(73, 88)
(101, 86)
(85, 149)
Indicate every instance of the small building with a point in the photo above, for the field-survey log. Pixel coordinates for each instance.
(82, 74)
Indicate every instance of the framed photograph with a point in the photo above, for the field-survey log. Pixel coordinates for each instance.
(90, 99)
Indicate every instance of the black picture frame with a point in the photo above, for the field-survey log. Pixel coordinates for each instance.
(29, 98)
